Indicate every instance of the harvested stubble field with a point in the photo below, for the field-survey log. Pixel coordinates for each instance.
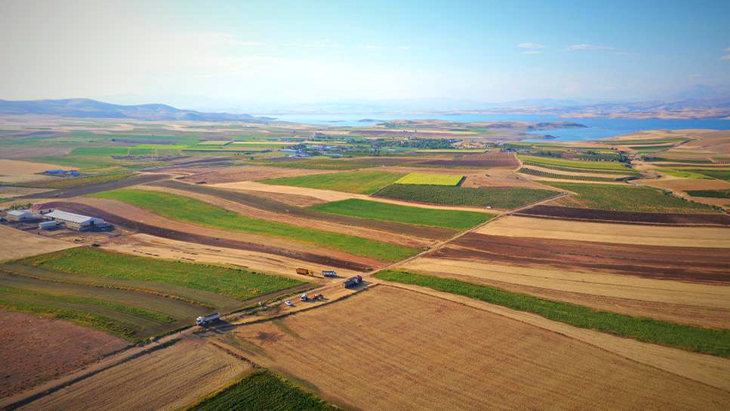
(197, 212)
(704, 305)
(487, 160)
(431, 179)
(539, 173)
(167, 379)
(18, 244)
(218, 175)
(17, 171)
(358, 182)
(691, 338)
(628, 217)
(517, 226)
(72, 182)
(261, 390)
(612, 166)
(371, 210)
(401, 363)
(690, 264)
(496, 197)
(38, 349)
(625, 198)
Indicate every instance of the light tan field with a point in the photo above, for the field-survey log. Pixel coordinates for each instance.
(166, 379)
(683, 184)
(701, 304)
(16, 171)
(387, 348)
(10, 192)
(37, 349)
(19, 244)
(514, 226)
(143, 244)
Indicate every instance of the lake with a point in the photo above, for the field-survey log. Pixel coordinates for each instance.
(597, 128)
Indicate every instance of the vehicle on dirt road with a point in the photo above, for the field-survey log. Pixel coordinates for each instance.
(203, 321)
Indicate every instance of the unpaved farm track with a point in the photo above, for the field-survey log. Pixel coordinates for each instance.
(625, 217)
(691, 264)
(201, 239)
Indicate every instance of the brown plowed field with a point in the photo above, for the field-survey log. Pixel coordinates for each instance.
(692, 264)
(479, 160)
(19, 244)
(675, 236)
(584, 214)
(132, 218)
(166, 379)
(387, 348)
(37, 349)
(696, 304)
(290, 214)
(247, 173)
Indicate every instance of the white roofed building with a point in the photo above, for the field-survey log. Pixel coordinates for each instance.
(75, 221)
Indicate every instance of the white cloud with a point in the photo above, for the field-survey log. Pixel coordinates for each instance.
(591, 47)
(531, 52)
(531, 46)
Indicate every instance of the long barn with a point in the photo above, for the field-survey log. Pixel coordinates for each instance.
(76, 221)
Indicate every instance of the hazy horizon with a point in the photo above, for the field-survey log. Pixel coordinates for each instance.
(244, 56)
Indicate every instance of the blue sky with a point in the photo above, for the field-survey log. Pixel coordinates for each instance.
(244, 54)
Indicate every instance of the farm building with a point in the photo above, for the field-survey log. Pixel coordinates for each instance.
(76, 221)
(19, 215)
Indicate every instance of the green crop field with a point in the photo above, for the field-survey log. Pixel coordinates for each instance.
(718, 174)
(431, 179)
(71, 182)
(576, 164)
(539, 173)
(195, 211)
(373, 210)
(687, 337)
(497, 197)
(625, 198)
(261, 390)
(320, 164)
(99, 151)
(358, 182)
(709, 193)
(683, 174)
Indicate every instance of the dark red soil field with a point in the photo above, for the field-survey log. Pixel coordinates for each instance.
(479, 160)
(268, 204)
(689, 264)
(205, 240)
(584, 214)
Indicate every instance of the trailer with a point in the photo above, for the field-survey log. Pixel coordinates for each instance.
(352, 281)
(304, 271)
(203, 321)
(329, 274)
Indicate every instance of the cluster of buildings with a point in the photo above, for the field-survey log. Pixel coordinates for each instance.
(72, 173)
(56, 218)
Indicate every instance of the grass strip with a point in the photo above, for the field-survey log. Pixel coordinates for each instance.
(261, 390)
(198, 212)
(375, 210)
(497, 197)
(233, 282)
(709, 193)
(687, 337)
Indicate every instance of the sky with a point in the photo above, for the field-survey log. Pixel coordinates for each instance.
(257, 55)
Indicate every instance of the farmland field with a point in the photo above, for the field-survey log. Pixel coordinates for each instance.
(407, 365)
(431, 179)
(587, 165)
(718, 174)
(625, 198)
(497, 197)
(261, 390)
(359, 182)
(682, 173)
(195, 211)
(18, 244)
(539, 173)
(169, 378)
(709, 193)
(458, 220)
(71, 182)
(703, 340)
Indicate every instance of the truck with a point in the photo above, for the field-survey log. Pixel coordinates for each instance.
(203, 321)
(329, 274)
(315, 297)
(304, 271)
(352, 281)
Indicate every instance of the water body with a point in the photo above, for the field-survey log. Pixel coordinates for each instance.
(597, 128)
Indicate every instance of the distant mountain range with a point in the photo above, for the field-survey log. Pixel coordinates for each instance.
(87, 108)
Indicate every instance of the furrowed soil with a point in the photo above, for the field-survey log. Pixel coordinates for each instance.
(145, 222)
(247, 173)
(487, 160)
(689, 264)
(166, 379)
(517, 226)
(629, 217)
(685, 303)
(19, 244)
(37, 349)
(423, 358)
